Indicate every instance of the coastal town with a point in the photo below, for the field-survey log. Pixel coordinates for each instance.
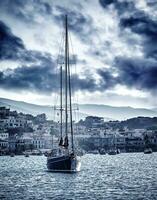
(20, 133)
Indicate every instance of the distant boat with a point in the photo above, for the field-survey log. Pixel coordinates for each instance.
(65, 158)
(118, 151)
(93, 152)
(148, 151)
(36, 152)
(26, 155)
(102, 152)
(12, 155)
(112, 152)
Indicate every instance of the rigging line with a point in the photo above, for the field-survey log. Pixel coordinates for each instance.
(61, 90)
(75, 71)
(75, 95)
(57, 70)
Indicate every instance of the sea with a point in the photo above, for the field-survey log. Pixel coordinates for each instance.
(126, 176)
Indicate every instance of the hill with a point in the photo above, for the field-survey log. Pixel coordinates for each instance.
(108, 112)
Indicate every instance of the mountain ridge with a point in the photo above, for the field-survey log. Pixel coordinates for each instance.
(101, 110)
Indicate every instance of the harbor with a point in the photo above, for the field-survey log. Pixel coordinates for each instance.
(78, 109)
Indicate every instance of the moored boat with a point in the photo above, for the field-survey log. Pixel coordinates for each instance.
(112, 152)
(102, 152)
(65, 158)
(148, 151)
(12, 155)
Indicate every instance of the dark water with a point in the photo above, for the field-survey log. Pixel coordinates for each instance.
(123, 176)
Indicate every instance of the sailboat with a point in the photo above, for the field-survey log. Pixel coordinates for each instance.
(64, 159)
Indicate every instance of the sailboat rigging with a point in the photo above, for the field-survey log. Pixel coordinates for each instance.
(65, 160)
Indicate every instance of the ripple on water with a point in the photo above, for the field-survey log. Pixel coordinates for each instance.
(123, 176)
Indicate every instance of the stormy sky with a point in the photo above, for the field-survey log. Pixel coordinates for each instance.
(114, 42)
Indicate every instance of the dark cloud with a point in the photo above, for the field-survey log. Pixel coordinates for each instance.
(26, 10)
(105, 3)
(41, 78)
(15, 8)
(38, 77)
(29, 11)
(141, 24)
(39, 72)
(88, 83)
(133, 72)
(10, 45)
(146, 27)
(107, 79)
(152, 3)
(137, 73)
(121, 6)
(138, 21)
(79, 23)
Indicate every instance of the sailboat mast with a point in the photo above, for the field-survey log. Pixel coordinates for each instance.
(61, 103)
(68, 88)
(66, 73)
(70, 102)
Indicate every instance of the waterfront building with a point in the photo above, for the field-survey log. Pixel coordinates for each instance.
(4, 135)
(38, 142)
(134, 144)
(12, 143)
(27, 140)
(120, 142)
(3, 144)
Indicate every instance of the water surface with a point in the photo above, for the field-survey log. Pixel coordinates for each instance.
(124, 177)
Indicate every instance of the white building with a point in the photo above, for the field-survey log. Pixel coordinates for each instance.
(3, 144)
(4, 135)
(14, 122)
(38, 143)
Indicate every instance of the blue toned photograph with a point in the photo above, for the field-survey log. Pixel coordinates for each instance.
(78, 100)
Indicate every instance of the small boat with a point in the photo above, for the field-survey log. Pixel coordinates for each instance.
(112, 152)
(148, 151)
(102, 152)
(93, 152)
(118, 151)
(26, 155)
(12, 155)
(36, 153)
(65, 159)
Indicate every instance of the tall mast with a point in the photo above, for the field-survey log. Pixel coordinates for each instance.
(70, 102)
(61, 108)
(66, 66)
